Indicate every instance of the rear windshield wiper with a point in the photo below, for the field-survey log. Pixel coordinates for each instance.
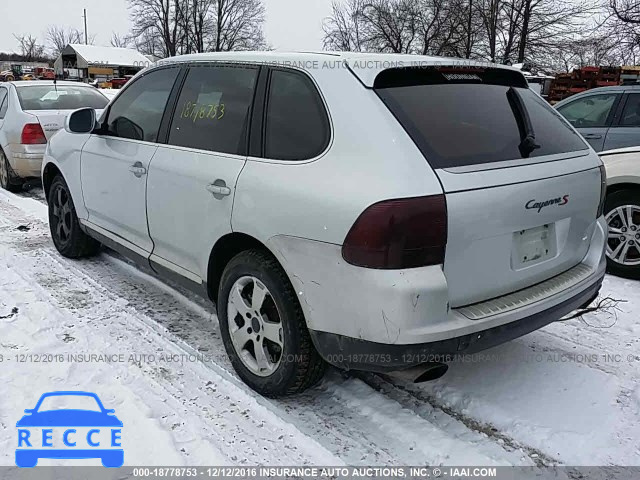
(527, 135)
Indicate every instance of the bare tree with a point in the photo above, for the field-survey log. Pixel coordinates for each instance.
(344, 28)
(504, 31)
(30, 49)
(199, 24)
(623, 25)
(170, 27)
(626, 10)
(121, 41)
(158, 18)
(238, 25)
(402, 26)
(392, 25)
(58, 37)
(551, 24)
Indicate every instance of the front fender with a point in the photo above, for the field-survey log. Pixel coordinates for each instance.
(64, 151)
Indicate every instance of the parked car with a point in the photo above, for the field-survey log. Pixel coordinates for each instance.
(376, 215)
(44, 73)
(622, 211)
(30, 113)
(108, 92)
(118, 83)
(607, 117)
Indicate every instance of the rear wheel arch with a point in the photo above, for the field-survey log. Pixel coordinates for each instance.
(616, 187)
(223, 251)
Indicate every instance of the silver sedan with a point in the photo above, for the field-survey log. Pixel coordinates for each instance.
(30, 113)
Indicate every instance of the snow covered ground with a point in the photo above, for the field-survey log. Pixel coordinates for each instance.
(566, 395)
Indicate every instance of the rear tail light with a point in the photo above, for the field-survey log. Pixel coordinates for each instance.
(603, 191)
(32, 134)
(402, 233)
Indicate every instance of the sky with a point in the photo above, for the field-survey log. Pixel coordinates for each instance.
(290, 24)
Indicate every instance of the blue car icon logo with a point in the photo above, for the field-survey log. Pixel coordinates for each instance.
(87, 430)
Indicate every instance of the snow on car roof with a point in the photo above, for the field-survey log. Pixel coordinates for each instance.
(126, 57)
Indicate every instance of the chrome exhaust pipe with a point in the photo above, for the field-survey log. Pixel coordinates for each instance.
(421, 373)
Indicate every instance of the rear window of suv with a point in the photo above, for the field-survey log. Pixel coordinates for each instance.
(473, 116)
(62, 97)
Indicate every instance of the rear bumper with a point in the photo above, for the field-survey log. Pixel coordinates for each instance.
(26, 160)
(354, 354)
(356, 315)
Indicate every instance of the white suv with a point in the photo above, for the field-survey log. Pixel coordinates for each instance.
(376, 212)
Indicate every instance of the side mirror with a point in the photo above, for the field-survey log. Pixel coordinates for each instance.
(81, 121)
(28, 410)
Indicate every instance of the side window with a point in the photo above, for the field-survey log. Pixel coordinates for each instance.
(297, 125)
(138, 110)
(4, 102)
(631, 113)
(591, 111)
(213, 109)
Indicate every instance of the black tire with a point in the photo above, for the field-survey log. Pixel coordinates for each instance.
(618, 199)
(300, 364)
(8, 179)
(68, 237)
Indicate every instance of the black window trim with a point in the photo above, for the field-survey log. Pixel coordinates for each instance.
(101, 129)
(170, 108)
(187, 66)
(620, 109)
(4, 100)
(261, 123)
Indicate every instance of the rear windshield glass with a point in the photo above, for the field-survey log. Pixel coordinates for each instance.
(67, 97)
(460, 118)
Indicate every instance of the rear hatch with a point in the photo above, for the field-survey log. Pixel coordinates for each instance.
(521, 186)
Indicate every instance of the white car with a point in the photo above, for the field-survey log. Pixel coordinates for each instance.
(622, 210)
(30, 113)
(110, 93)
(356, 209)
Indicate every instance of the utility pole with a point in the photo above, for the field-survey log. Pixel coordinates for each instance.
(86, 38)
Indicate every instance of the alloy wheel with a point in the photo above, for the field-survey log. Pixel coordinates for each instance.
(255, 326)
(623, 242)
(62, 215)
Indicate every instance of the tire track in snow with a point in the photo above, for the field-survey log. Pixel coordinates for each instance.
(209, 405)
(347, 433)
(332, 414)
(458, 397)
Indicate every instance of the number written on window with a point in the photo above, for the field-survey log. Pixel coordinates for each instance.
(213, 109)
(195, 112)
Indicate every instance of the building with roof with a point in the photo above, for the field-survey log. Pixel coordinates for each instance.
(89, 62)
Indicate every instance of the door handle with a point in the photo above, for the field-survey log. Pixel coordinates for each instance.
(592, 136)
(219, 187)
(137, 169)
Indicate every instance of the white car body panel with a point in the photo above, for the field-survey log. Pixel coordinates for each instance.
(623, 165)
(106, 175)
(176, 188)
